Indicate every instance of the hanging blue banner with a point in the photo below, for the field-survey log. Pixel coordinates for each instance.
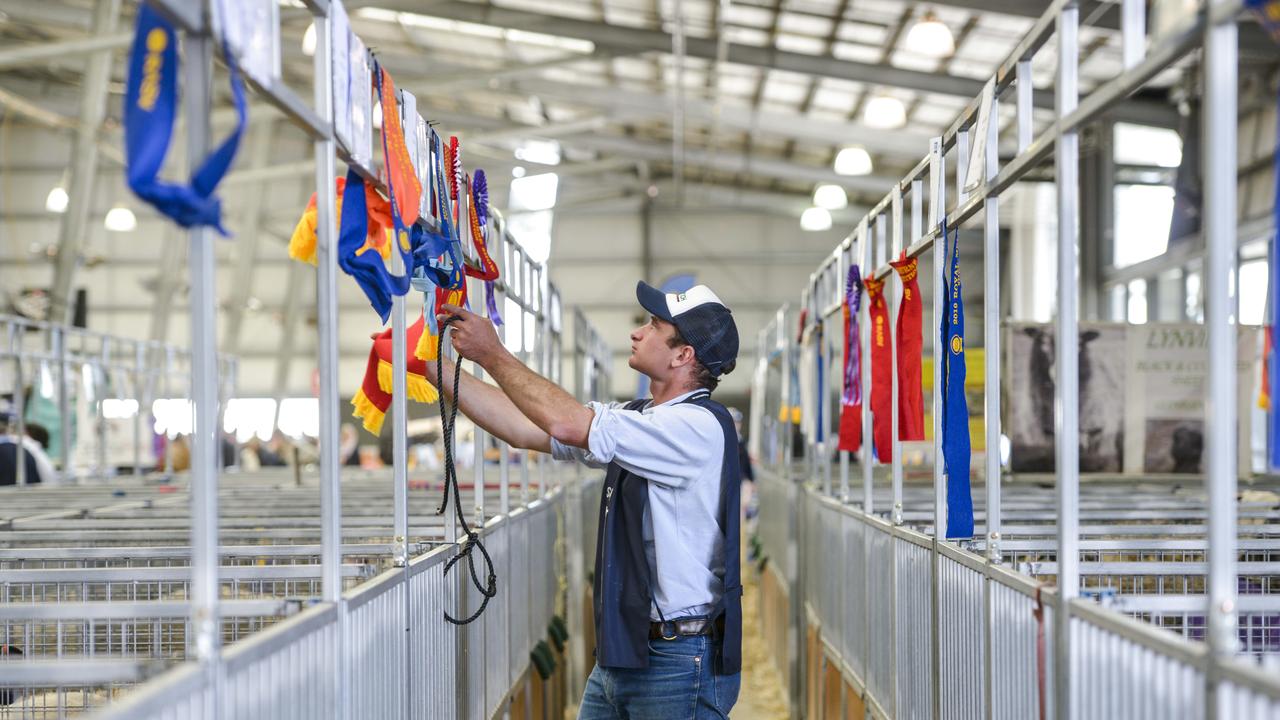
(955, 407)
(150, 108)
(1273, 290)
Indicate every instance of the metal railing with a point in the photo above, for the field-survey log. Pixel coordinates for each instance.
(923, 627)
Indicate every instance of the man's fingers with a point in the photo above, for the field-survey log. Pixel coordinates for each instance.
(452, 309)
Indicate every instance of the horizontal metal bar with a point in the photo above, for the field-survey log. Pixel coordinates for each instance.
(43, 673)
(134, 610)
(1180, 569)
(178, 552)
(1192, 604)
(175, 574)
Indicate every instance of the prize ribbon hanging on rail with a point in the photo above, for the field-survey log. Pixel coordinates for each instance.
(881, 369)
(910, 339)
(371, 401)
(851, 392)
(150, 108)
(955, 407)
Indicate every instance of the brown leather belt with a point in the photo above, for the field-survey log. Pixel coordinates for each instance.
(685, 627)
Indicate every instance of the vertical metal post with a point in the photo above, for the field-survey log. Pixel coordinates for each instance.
(937, 205)
(895, 307)
(399, 421)
(991, 336)
(1220, 129)
(16, 333)
(1066, 171)
(197, 78)
(868, 461)
(139, 371)
(165, 380)
(327, 329)
(64, 401)
(101, 380)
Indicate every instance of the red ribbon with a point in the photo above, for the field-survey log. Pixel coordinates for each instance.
(910, 341)
(881, 371)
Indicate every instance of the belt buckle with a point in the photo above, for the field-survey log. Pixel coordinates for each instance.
(675, 634)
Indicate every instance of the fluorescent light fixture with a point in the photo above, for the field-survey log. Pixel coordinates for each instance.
(56, 201)
(830, 197)
(931, 37)
(309, 41)
(885, 113)
(517, 171)
(853, 161)
(120, 219)
(815, 219)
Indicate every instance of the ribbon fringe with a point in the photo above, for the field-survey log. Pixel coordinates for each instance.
(420, 390)
(368, 413)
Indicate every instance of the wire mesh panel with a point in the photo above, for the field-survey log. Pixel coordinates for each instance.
(914, 628)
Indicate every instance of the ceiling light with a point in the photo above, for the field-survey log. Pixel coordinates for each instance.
(56, 201)
(517, 172)
(309, 41)
(377, 115)
(853, 161)
(931, 37)
(885, 113)
(815, 219)
(120, 219)
(830, 197)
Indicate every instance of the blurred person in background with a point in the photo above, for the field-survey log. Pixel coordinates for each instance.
(39, 468)
(349, 446)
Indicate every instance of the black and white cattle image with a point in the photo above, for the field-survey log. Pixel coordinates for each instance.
(1031, 387)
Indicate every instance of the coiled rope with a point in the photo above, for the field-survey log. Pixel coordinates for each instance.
(448, 420)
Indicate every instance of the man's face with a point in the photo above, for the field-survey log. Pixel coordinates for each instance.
(650, 352)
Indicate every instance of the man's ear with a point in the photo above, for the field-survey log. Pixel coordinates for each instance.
(685, 356)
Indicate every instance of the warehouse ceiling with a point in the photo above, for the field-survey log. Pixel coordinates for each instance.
(675, 105)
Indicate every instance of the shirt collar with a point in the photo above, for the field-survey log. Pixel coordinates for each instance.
(679, 398)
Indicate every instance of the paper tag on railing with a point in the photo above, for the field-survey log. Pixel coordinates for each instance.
(340, 65)
(936, 200)
(361, 87)
(252, 30)
(974, 176)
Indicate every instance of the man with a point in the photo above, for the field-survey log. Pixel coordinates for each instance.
(667, 591)
(38, 467)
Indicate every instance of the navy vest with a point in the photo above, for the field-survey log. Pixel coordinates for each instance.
(622, 590)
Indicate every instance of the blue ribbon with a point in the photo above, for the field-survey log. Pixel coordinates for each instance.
(955, 407)
(1273, 367)
(150, 108)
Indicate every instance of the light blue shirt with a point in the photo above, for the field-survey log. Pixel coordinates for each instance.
(679, 449)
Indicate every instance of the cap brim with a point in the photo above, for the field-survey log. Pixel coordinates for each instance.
(653, 300)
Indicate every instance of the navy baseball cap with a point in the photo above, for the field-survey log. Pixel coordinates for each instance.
(703, 321)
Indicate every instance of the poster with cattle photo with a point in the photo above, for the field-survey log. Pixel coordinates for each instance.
(1168, 367)
(1031, 383)
(1142, 398)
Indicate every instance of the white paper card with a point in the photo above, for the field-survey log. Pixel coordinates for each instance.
(423, 165)
(974, 176)
(361, 104)
(252, 29)
(340, 63)
(409, 124)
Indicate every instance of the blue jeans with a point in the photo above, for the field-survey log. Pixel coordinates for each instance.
(678, 684)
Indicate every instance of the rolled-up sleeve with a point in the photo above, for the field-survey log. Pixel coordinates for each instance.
(667, 444)
(568, 453)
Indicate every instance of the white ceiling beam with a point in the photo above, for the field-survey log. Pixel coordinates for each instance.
(60, 50)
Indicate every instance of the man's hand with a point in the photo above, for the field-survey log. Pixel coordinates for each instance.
(474, 337)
